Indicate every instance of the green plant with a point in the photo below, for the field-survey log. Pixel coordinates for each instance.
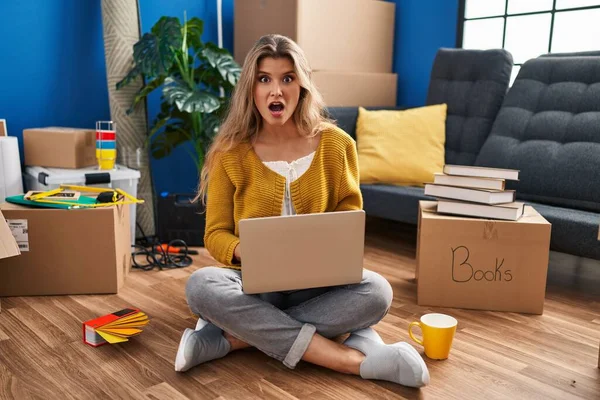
(196, 79)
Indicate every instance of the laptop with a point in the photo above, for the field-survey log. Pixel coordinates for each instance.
(302, 251)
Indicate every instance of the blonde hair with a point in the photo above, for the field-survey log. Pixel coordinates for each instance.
(244, 121)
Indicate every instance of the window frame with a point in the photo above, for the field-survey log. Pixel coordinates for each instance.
(461, 21)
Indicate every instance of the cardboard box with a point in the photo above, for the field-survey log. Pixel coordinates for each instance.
(66, 251)
(60, 147)
(338, 35)
(480, 263)
(352, 89)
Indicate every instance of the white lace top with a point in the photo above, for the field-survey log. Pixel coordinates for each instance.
(291, 172)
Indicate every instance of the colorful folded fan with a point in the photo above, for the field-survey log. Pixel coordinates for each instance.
(114, 328)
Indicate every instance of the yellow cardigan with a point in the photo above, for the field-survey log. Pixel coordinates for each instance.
(240, 186)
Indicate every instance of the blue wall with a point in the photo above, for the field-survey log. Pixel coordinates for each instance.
(52, 65)
(422, 27)
(54, 71)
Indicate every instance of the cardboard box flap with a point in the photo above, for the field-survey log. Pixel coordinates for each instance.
(537, 227)
(8, 244)
(530, 216)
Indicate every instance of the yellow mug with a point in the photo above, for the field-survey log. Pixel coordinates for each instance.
(438, 332)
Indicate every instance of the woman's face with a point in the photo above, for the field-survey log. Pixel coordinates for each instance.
(276, 90)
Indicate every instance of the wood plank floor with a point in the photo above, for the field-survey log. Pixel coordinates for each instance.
(495, 355)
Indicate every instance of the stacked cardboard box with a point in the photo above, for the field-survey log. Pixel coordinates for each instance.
(59, 251)
(348, 43)
(60, 147)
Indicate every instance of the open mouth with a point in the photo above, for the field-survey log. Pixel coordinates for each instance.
(276, 107)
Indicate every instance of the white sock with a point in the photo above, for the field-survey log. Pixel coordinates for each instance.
(368, 333)
(200, 324)
(201, 345)
(398, 362)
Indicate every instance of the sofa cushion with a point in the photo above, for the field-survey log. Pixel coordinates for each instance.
(549, 129)
(473, 84)
(401, 147)
(398, 203)
(593, 53)
(573, 231)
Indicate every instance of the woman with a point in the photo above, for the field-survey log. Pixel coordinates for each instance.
(276, 154)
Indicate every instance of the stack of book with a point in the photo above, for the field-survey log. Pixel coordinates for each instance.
(476, 192)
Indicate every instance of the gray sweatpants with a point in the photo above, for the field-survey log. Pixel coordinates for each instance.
(282, 324)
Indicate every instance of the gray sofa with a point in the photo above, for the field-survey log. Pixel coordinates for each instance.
(547, 125)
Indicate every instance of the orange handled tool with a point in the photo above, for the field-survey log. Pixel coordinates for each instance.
(173, 250)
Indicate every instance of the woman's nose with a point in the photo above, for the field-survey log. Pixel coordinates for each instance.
(276, 90)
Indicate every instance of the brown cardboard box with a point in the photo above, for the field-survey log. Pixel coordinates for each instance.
(66, 251)
(352, 89)
(480, 263)
(60, 147)
(338, 35)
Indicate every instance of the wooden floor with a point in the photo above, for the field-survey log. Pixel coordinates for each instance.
(495, 355)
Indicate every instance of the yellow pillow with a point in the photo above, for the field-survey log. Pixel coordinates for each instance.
(401, 147)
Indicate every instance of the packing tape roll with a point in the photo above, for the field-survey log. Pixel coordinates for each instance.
(106, 158)
(105, 135)
(106, 154)
(106, 144)
(10, 167)
(106, 164)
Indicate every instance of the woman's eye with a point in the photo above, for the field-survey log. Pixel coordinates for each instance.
(287, 79)
(263, 79)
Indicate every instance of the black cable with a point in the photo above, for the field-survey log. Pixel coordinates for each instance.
(157, 256)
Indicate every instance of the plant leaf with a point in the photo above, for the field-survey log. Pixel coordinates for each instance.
(195, 28)
(134, 73)
(154, 54)
(189, 99)
(157, 125)
(164, 142)
(211, 77)
(223, 61)
(211, 126)
(145, 91)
